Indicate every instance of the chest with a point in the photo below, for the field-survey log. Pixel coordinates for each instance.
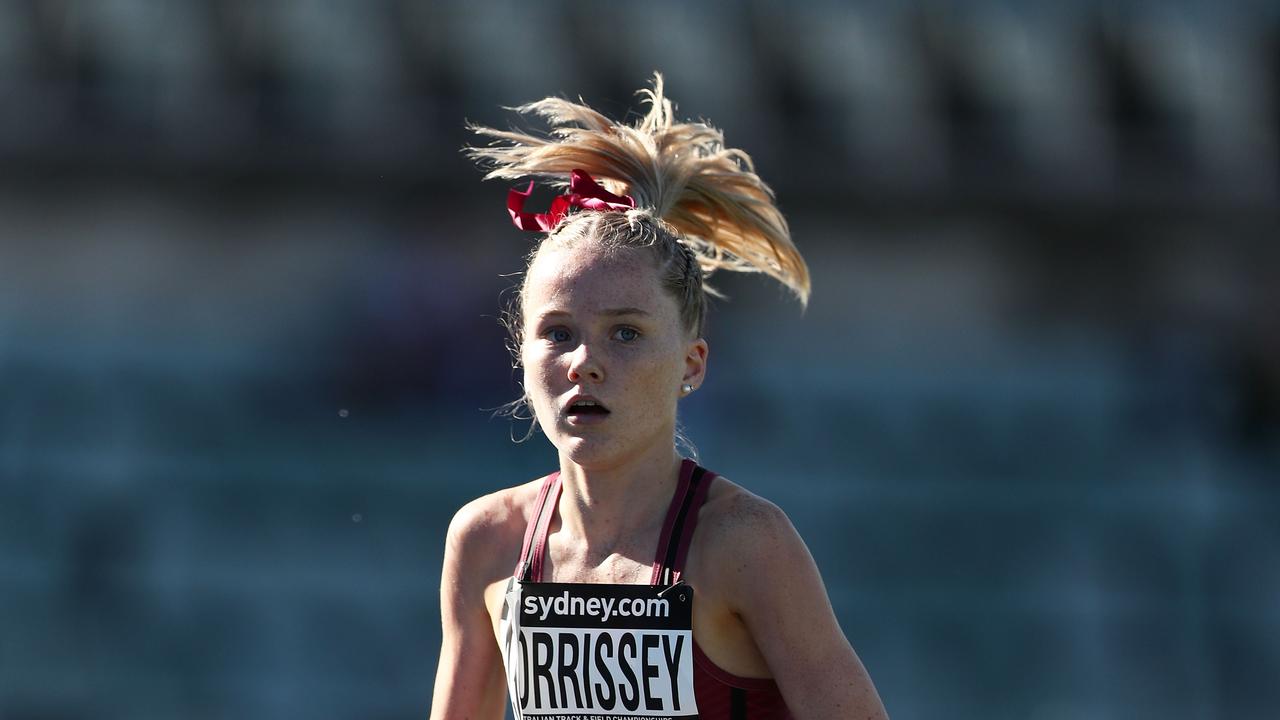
(625, 561)
(576, 566)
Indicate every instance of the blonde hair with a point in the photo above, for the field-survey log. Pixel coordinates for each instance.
(689, 188)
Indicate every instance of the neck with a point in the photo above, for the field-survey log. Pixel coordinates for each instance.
(603, 504)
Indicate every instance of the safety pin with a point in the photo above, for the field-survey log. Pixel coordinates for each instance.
(676, 584)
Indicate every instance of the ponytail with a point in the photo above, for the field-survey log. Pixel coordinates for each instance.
(681, 173)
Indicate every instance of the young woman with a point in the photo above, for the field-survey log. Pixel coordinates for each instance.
(631, 582)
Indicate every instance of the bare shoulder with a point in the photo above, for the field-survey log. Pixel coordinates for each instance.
(487, 530)
(734, 513)
(736, 527)
(789, 618)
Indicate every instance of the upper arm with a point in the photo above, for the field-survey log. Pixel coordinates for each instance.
(790, 617)
(469, 678)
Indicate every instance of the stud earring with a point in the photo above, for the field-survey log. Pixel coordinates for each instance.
(686, 388)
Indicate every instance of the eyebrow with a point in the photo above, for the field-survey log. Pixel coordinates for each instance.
(609, 312)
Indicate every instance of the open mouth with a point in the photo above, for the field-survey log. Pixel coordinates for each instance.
(586, 408)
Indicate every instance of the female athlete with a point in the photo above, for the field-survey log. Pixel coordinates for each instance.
(632, 582)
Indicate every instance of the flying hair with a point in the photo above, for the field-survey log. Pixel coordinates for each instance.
(680, 172)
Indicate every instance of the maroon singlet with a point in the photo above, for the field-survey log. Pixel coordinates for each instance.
(720, 695)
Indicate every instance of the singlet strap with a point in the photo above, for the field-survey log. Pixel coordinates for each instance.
(673, 543)
(673, 511)
(530, 565)
(682, 518)
(538, 553)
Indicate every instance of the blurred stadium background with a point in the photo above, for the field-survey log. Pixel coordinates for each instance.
(1030, 424)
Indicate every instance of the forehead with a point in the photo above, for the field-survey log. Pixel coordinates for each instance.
(584, 278)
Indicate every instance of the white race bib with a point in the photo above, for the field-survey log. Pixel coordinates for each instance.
(596, 652)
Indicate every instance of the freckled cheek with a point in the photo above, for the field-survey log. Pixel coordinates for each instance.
(542, 376)
(652, 380)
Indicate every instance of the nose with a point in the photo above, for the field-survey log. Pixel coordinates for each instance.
(584, 364)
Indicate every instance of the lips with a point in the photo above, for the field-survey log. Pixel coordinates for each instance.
(582, 407)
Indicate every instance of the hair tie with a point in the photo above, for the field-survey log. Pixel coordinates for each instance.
(584, 192)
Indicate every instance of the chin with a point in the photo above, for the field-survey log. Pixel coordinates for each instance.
(588, 452)
(594, 449)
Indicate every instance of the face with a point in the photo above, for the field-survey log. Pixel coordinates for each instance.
(605, 354)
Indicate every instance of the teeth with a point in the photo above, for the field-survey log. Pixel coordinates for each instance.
(588, 403)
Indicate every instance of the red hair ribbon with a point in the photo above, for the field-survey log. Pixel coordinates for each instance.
(584, 192)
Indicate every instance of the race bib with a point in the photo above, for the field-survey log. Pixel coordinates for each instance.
(597, 652)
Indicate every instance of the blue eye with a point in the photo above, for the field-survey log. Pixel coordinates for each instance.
(626, 334)
(557, 335)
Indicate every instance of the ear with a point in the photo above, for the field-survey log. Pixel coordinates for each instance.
(695, 362)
